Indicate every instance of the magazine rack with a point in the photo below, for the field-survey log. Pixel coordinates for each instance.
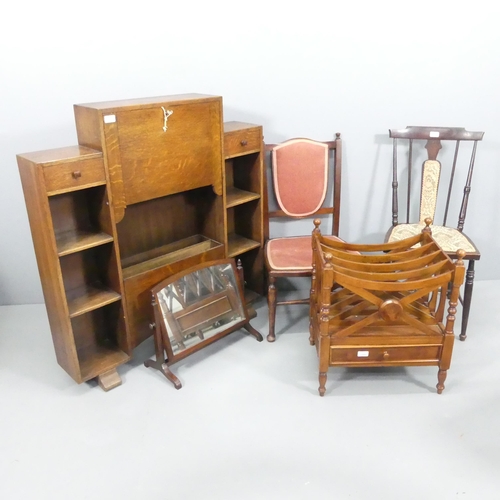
(383, 305)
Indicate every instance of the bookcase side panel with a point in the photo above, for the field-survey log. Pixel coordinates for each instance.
(44, 244)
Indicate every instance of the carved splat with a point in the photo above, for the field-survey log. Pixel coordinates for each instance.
(433, 146)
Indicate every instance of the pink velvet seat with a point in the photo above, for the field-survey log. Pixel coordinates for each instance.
(290, 253)
(303, 171)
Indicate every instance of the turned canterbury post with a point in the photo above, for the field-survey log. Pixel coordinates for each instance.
(312, 302)
(324, 339)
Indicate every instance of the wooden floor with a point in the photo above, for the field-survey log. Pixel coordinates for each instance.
(248, 423)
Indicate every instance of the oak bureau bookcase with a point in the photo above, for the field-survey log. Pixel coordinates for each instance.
(155, 186)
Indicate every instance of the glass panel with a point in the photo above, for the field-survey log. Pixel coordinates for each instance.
(199, 305)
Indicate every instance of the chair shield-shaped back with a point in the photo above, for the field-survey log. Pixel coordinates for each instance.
(300, 174)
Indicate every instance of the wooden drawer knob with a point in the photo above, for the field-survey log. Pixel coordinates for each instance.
(385, 355)
(76, 174)
(244, 143)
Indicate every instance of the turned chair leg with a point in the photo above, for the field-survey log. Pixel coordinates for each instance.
(469, 284)
(441, 378)
(322, 383)
(271, 303)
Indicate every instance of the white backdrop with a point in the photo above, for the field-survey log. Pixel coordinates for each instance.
(300, 69)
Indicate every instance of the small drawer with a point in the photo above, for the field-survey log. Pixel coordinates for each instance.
(74, 175)
(240, 142)
(383, 355)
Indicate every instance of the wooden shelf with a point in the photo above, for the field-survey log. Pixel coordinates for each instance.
(97, 359)
(76, 241)
(180, 250)
(237, 196)
(88, 299)
(239, 244)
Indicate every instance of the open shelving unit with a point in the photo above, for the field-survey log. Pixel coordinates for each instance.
(72, 229)
(244, 189)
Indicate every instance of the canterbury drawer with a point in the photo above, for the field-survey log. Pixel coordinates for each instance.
(389, 354)
(74, 175)
(239, 142)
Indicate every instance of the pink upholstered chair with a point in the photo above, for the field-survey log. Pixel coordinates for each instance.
(303, 171)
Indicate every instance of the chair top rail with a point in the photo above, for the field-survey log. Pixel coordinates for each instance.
(331, 144)
(442, 133)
